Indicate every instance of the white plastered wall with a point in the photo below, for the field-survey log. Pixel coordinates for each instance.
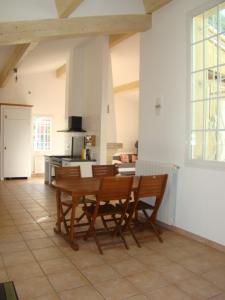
(164, 60)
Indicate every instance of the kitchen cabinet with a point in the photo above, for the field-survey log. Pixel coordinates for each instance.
(15, 136)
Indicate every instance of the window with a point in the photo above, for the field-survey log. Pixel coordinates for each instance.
(42, 133)
(207, 137)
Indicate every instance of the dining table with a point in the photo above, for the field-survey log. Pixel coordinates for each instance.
(77, 188)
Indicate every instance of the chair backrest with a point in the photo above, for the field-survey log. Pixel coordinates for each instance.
(67, 172)
(152, 186)
(103, 170)
(115, 188)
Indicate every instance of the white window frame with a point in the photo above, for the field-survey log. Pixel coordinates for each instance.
(218, 165)
(51, 136)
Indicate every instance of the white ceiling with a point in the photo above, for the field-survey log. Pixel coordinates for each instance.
(16, 10)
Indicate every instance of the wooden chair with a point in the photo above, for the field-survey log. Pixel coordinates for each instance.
(101, 171)
(112, 188)
(149, 186)
(65, 205)
(104, 170)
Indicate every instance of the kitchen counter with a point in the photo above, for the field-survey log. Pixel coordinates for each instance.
(76, 159)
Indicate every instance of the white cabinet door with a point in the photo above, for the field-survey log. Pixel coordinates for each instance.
(17, 148)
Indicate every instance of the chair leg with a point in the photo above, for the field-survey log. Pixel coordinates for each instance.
(97, 242)
(123, 238)
(81, 217)
(133, 235)
(156, 231)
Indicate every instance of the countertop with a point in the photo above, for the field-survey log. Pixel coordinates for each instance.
(77, 159)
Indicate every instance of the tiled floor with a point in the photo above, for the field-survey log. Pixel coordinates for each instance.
(44, 267)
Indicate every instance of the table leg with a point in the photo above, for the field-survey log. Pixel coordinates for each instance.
(72, 233)
(57, 228)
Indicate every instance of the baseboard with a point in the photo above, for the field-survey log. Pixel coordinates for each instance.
(193, 236)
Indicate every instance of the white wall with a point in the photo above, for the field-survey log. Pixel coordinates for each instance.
(47, 94)
(200, 199)
(127, 118)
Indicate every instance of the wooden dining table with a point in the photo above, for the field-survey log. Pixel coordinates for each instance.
(77, 188)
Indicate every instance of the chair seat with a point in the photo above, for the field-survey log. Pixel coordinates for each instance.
(143, 205)
(68, 202)
(140, 206)
(106, 209)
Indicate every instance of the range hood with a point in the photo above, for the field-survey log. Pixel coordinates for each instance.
(74, 125)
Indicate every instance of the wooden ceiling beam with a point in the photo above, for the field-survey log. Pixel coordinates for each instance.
(14, 61)
(23, 32)
(115, 39)
(126, 87)
(66, 7)
(153, 5)
(60, 71)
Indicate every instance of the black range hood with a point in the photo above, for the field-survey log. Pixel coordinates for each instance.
(74, 125)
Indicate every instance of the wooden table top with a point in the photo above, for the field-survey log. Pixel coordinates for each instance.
(83, 186)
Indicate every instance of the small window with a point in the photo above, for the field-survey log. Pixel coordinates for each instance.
(207, 126)
(42, 128)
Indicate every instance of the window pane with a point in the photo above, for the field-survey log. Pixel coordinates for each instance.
(197, 86)
(198, 28)
(221, 146)
(222, 17)
(211, 52)
(211, 22)
(222, 81)
(211, 114)
(197, 52)
(196, 145)
(211, 83)
(222, 49)
(221, 121)
(197, 115)
(210, 145)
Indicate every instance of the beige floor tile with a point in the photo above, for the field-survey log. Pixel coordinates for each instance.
(24, 271)
(8, 229)
(168, 293)
(100, 273)
(147, 281)
(8, 238)
(219, 297)
(129, 266)
(81, 293)
(67, 280)
(86, 258)
(137, 297)
(174, 272)
(33, 287)
(40, 243)
(47, 253)
(56, 265)
(17, 258)
(201, 264)
(198, 288)
(47, 297)
(116, 289)
(37, 234)
(154, 259)
(13, 247)
(217, 277)
(28, 227)
(115, 254)
(3, 275)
